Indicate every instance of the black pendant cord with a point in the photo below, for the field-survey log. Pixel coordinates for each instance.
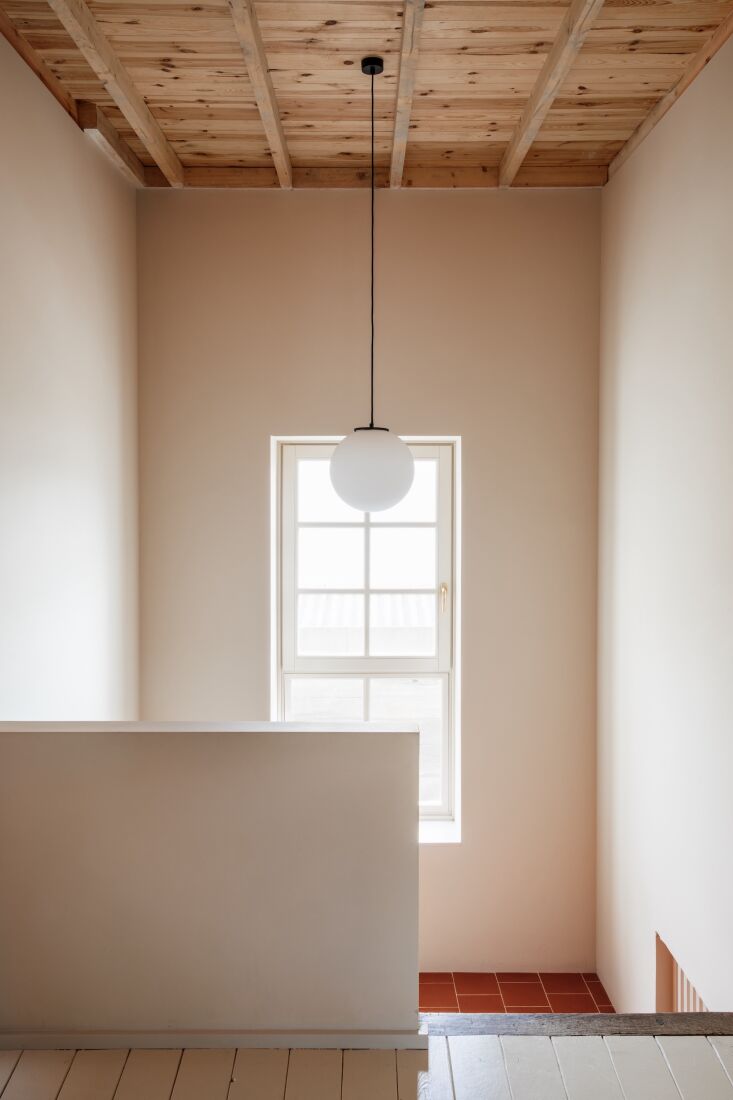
(371, 418)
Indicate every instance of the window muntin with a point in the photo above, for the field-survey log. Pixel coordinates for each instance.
(366, 607)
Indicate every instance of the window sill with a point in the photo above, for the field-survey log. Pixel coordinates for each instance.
(440, 832)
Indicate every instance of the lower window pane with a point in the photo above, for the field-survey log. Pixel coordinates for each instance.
(330, 625)
(419, 700)
(402, 625)
(320, 699)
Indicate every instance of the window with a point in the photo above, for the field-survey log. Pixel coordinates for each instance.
(366, 607)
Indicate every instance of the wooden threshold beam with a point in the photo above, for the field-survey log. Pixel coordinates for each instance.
(578, 20)
(438, 177)
(102, 132)
(250, 40)
(693, 70)
(38, 65)
(411, 27)
(82, 27)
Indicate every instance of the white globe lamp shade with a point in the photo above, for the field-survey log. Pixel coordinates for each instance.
(372, 469)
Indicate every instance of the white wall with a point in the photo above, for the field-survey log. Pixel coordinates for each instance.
(68, 497)
(208, 880)
(666, 651)
(254, 321)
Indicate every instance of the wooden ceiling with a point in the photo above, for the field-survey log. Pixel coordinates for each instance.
(268, 93)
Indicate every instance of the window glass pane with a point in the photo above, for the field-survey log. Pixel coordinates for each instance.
(418, 700)
(330, 625)
(402, 557)
(320, 699)
(317, 498)
(331, 557)
(421, 503)
(402, 625)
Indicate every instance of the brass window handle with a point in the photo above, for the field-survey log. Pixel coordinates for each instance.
(443, 597)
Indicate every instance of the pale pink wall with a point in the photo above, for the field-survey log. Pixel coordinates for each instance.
(666, 594)
(254, 321)
(68, 438)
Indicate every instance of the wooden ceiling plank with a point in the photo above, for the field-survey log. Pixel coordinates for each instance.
(578, 20)
(250, 39)
(81, 25)
(693, 70)
(414, 10)
(95, 123)
(38, 65)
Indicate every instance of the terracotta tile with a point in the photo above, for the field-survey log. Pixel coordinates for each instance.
(438, 998)
(480, 1002)
(438, 1011)
(606, 1009)
(475, 983)
(527, 1011)
(563, 983)
(591, 977)
(598, 993)
(435, 977)
(572, 1002)
(517, 976)
(524, 994)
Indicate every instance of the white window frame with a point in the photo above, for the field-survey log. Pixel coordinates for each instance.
(437, 824)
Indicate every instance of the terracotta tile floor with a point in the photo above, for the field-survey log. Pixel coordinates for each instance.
(515, 992)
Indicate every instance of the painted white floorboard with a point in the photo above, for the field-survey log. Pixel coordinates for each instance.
(314, 1075)
(723, 1046)
(149, 1075)
(259, 1075)
(586, 1067)
(441, 1082)
(532, 1068)
(204, 1073)
(477, 1064)
(696, 1067)
(8, 1060)
(369, 1075)
(94, 1075)
(641, 1068)
(38, 1075)
(412, 1075)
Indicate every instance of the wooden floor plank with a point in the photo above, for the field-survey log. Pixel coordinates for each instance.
(723, 1045)
(39, 1075)
(8, 1060)
(204, 1073)
(695, 1067)
(314, 1075)
(259, 1075)
(477, 1064)
(369, 1075)
(148, 1075)
(586, 1068)
(641, 1068)
(439, 1076)
(94, 1075)
(412, 1075)
(532, 1068)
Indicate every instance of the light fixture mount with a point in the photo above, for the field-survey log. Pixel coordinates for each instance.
(372, 66)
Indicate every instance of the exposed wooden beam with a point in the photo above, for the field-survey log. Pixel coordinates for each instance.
(438, 177)
(101, 131)
(250, 39)
(578, 20)
(38, 65)
(81, 25)
(412, 24)
(693, 70)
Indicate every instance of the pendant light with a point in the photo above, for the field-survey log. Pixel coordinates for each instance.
(372, 469)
